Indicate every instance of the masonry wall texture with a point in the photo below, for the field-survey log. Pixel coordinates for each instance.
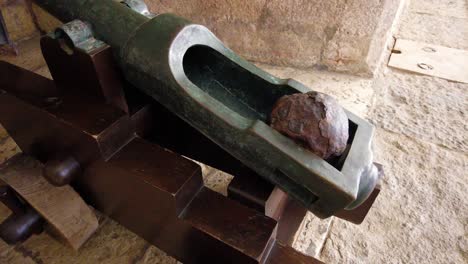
(341, 35)
(18, 19)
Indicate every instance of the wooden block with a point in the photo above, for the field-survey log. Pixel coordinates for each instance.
(428, 59)
(62, 207)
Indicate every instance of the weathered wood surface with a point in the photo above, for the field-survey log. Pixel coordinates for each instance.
(429, 59)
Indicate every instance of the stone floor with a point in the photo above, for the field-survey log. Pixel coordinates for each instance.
(421, 215)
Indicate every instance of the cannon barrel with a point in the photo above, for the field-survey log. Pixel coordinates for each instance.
(188, 70)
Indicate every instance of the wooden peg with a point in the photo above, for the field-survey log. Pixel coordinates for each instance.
(61, 207)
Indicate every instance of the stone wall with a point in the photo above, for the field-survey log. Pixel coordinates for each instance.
(341, 35)
(18, 20)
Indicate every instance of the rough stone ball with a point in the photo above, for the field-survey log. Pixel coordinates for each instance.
(314, 120)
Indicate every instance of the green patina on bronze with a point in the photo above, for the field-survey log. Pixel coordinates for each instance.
(187, 69)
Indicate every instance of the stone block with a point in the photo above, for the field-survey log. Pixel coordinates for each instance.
(341, 35)
(311, 235)
(423, 107)
(361, 36)
(30, 55)
(18, 20)
(440, 8)
(446, 31)
(15, 255)
(419, 217)
(217, 180)
(112, 243)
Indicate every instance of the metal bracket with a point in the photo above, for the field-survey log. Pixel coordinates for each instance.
(77, 34)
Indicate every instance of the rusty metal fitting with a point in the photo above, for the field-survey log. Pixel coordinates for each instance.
(77, 34)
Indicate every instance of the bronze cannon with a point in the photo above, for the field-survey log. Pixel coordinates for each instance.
(188, 70)
(177, 86)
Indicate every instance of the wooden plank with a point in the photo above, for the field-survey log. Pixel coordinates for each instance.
(428, 59)
(62, 207)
